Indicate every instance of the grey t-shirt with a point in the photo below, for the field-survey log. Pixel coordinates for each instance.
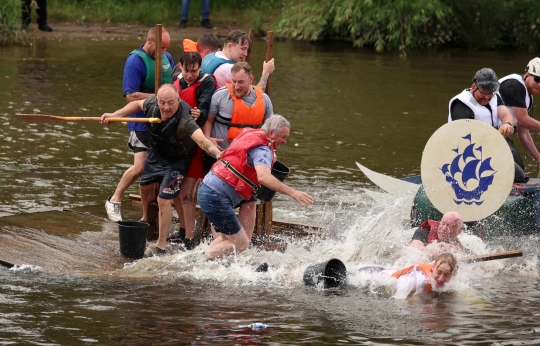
(222, 107)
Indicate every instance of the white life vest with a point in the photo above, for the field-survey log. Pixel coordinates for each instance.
(528, 97)
(481, 113)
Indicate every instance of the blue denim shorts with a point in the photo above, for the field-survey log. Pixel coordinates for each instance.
(219, 210)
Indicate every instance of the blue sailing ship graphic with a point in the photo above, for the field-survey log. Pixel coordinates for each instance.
(469, 169)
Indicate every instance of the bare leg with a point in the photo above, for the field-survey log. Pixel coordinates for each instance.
(188, 201)
(130, 176)
(236, 242)
(165, 218)
(148, 194)
(246, 216)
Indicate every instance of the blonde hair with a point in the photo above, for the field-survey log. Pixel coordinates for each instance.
(449, 259)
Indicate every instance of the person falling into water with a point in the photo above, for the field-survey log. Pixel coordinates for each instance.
(172, 147)
(444, 233)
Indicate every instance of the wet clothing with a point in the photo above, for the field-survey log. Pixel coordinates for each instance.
(427, 232)
(464, 106)
(171, 139)
(169, 176)
(413, 278)
(136, 78)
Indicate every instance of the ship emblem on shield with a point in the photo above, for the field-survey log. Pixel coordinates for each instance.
(469, 174)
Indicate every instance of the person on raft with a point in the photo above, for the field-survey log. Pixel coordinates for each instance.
(444, 232)
(424, 278)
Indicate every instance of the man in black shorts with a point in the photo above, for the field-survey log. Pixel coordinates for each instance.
(517, 93)
(172, 147)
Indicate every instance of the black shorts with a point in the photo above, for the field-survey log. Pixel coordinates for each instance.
(169, 176)
(139, 141)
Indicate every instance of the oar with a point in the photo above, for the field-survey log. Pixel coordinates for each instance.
(492, 256)
(44, 117)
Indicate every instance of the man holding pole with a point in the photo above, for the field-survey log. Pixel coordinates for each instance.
(246, 164)
(173, 144)
(139, 84)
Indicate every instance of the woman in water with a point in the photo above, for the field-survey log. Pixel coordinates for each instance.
(423, 278)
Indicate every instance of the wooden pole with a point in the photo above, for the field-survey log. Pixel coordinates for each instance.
(251, 35)
(157, 58)
(269, 47)
(492, 256)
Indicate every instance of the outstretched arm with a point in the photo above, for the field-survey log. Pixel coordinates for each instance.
(205, 144)
(130, 108)
(265, 177)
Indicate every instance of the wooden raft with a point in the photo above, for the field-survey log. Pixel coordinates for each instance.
(265, 225)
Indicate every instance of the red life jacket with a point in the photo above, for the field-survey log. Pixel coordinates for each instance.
(236, 154)
(425, 268)
(189, 94)
(433, 226)
(245, 116)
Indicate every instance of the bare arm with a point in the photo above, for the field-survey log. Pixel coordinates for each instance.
(207, 129)
(526, 140)
(506, 118)
(524, 120)
(268, 68)
(205, 144)
(265, 177)
(417, 244)
(138, 96)
(130, 108)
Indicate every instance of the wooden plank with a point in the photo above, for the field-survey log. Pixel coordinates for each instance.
(267, 217)
(269, 49)
(6, 264)
(157, 58)
(492, 256)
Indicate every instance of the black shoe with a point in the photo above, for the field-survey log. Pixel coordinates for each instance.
(206, 23)
(177, 237)
(262, 268)
(44, 27)
(183, 24)
(190, 244)
(161, 252)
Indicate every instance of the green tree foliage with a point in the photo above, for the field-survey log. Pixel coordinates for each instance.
(10, 22)
(411, 24)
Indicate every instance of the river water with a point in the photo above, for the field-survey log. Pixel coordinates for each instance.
(345, 105)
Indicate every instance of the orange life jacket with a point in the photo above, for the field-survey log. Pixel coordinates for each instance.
(425, 268)
(236, 155)
(244, 116)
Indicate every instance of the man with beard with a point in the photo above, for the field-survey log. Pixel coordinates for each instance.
(139, 85)
(172, 147)
(236, 106)
(481, 102)
(517, 93)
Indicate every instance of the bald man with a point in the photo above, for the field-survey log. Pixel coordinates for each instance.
(173, 144)
(446, 231)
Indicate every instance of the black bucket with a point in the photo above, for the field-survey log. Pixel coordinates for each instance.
(332, 273)
(132, 235)
(280, 171)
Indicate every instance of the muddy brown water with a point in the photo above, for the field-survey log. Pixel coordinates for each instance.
(71, 286)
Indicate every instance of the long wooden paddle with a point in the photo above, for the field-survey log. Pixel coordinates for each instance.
(492, 256)
(44, 117)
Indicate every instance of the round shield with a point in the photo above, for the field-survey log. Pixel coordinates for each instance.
(467, 167)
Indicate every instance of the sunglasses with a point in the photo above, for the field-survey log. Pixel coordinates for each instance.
(536, 79)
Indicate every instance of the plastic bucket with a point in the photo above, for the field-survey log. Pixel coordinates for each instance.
(132, 235)
(331, 273)
(280, 171)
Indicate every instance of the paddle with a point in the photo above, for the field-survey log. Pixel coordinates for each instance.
(44, 117)
(6, 264)
(492, 256)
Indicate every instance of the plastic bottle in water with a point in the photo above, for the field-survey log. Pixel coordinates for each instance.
(257, 326)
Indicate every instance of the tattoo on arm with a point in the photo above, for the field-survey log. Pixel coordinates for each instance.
(262, 82)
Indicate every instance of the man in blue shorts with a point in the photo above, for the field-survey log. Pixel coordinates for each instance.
(139, 85)
(245, 165)
(172, 146)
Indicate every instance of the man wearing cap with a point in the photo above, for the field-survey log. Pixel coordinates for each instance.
(478, 103)
(245, 165)
(517, 93)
